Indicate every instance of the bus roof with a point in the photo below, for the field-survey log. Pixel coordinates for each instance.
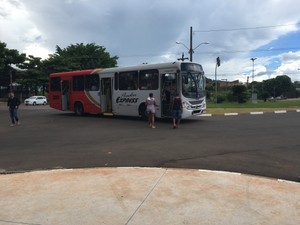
(141, 67)
(72, 73)
(127, 68)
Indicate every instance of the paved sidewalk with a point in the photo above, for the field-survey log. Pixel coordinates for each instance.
(141, 196)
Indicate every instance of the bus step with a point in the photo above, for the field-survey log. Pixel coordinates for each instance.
(108, 114)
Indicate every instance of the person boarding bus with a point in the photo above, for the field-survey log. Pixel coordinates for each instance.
(151, 104)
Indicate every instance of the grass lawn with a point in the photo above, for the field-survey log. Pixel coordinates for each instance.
(261, 106)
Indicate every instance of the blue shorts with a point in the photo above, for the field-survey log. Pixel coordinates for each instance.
(176, 114)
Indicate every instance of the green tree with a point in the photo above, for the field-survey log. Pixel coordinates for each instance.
(2, 55)
(79, 57)
(281, 85)
(8, 59)
(240, 93)
(32, 76)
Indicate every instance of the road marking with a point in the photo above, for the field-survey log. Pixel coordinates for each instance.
(256, 113)
(220, 172)
(288, 181)
(205, 115)
(251, 113)
(231, 114)
(280, 111)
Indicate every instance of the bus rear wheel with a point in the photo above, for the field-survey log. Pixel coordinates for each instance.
(143, 112)
(78, 109)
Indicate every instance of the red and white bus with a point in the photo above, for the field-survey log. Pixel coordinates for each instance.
(123, 90)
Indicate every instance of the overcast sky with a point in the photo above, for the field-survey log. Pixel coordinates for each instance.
(146, 31)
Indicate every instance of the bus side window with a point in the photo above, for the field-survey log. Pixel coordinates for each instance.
(92, 82)
(55, 84)
(148, 80)
(128, 80)
(78, 83)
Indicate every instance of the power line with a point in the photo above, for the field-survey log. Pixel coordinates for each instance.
(211, 52)
(257, 50)
(235, 74)
(217, 52)
(247, 28)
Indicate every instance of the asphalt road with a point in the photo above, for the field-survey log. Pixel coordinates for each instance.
(266, 145)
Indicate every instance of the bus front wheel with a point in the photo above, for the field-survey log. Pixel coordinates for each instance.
(78, 108)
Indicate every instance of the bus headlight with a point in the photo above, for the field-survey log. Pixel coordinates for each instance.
(186, 105)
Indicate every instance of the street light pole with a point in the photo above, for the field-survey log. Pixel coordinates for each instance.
(253, 59)
(191, 50)
(254, 96)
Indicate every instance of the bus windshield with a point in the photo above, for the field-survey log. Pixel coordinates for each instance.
(193, 84)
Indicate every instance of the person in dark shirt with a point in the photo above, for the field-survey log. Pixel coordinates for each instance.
(176, 111)
(13, 105)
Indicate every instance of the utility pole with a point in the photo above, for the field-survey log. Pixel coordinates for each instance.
(190, 49)
(191, 44)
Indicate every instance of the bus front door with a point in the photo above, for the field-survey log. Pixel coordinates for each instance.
(65, 95)
(106, 96)
(168, 92)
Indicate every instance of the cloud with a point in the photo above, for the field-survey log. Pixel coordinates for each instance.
(19, 31)
(290, 65)
(140, 31)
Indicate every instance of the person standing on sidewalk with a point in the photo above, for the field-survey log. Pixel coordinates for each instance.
(13, 106)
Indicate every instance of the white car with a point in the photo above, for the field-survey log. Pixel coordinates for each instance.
(36, 100)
